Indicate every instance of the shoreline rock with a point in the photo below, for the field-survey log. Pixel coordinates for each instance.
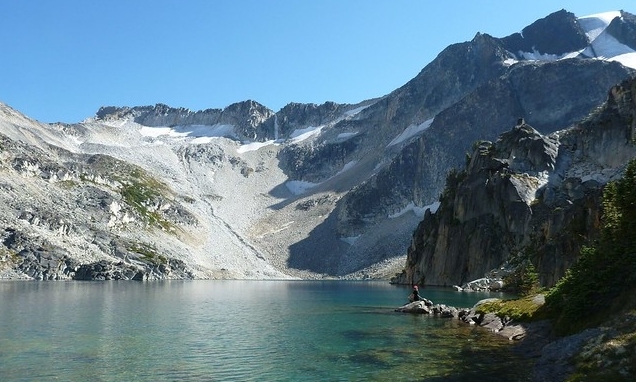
(504, 327)
(553, 358)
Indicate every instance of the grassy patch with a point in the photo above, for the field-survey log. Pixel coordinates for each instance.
(142, 192)
(8, 258)
(148, 253)
(138, 189)
(519, 310)
(67, 184)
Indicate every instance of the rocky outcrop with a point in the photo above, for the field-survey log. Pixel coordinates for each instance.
(526, 195)
(301, 115)
(502, 326)
(105, 270)
(71, 214)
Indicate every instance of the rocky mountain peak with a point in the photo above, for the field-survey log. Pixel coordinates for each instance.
(248, 113)
(540, 35)
(624, 29)
(526, 150)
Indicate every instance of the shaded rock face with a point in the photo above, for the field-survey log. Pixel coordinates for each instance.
(527, 193)
(624, 29)
(539, 35)
(417, 173)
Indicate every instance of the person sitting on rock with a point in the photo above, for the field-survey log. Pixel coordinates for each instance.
(415, 295)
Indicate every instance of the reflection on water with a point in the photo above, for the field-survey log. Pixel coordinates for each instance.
(239, 330)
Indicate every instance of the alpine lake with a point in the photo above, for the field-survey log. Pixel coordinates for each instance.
(242, 331)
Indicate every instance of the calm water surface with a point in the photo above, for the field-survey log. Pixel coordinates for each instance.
(240, 330)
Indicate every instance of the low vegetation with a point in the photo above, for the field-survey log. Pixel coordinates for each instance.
(148, 253)
(524, 309)
(597, 291)
(8, 258)
(138, 189)
(600, 284)
(611, 356)
(524, 280)
(605, 271)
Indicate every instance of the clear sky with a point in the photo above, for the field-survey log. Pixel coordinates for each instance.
(63, 59)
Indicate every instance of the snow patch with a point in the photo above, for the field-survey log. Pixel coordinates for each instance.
(298, 187)
(355, 111)
(253, 146)
(628, 59)
(300, 135)
(350, 240)
(537, 56)
(208, 131)
(347, 166)
(202, 140)
(606, 46)
(510, 61)
(595, 24)
(75, 140)
(418, 211)
(411, 131)
(343, 136)
(155, 132)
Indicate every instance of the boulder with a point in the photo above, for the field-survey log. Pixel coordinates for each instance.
(415, 307)
(513, 332)
(491, 322)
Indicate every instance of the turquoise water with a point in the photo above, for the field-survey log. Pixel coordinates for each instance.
(240, 331)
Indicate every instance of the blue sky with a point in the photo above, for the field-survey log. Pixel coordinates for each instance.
(63, 59)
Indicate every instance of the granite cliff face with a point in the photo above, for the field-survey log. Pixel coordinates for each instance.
(307, 191)
(526, 195)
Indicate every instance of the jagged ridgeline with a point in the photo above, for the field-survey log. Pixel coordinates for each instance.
(526, 197)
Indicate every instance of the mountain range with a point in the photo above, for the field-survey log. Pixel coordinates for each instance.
(331, 190)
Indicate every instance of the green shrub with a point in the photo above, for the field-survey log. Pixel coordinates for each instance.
(603, 271)
(524, 280)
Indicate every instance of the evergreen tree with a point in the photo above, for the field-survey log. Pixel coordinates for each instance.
(605, 270)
